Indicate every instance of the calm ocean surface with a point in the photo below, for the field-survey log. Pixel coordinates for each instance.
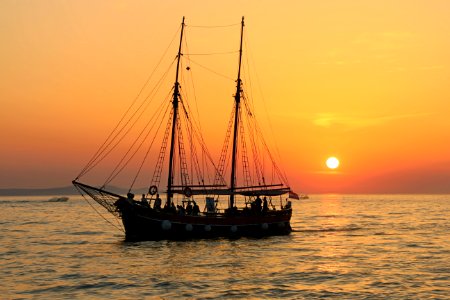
(343, 246)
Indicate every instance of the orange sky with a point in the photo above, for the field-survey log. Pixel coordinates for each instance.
(365, 81)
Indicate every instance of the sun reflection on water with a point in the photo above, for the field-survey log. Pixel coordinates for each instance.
(343, 247)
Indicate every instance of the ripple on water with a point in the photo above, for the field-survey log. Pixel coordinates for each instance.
(353, 248)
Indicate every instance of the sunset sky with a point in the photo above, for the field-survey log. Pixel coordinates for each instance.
(365, 81)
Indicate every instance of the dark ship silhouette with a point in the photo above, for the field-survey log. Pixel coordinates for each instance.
(250, 210)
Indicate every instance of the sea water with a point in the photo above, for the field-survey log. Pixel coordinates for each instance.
(342, 247)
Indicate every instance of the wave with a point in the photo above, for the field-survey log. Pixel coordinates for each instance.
(24, 201)
(332, 229)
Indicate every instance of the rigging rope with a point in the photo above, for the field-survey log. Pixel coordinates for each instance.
(156, 178)
(115, 172)
(208, 69)
(258, 82)
(148, 150)
(116, 226)
(193, 89)
(104, 155)
(194, 158)
(188, 112)
(101, 149)
(213, 26)
(194, 131)
(223, 160)
(250, 120)
(212, 53)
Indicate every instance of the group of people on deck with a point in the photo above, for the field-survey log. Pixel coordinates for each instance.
(192, 207)
(259, 206)
(256, 207)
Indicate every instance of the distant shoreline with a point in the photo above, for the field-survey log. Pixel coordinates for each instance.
(66, 190)
(63, 191)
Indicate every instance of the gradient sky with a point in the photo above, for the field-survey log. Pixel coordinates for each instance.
(365, 81)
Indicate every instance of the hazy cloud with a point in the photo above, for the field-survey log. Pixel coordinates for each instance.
(384, 40)
(330, 119)
(369, 46)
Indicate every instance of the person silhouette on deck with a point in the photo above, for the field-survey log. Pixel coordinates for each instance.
(189, 208)
(181, 210)
(173, 208)
(144, 201)
(157, 204)
(265, 207)
(195, 209)
(258, 204)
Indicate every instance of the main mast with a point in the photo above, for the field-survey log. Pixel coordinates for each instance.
(176, 93)
(237, 100)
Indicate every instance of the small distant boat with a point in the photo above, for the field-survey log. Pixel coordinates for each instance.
(253, 197)
(58, 199)
(304, 196)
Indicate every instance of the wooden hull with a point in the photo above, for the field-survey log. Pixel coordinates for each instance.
(143, 223)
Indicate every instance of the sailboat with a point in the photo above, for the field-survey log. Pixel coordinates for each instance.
(190, 204)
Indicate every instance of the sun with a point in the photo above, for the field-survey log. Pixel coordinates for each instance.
(332, 162)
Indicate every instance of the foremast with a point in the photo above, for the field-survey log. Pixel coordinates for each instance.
(176, 94)
(237, 100)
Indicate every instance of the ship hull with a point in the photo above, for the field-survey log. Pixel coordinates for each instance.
(143, 223)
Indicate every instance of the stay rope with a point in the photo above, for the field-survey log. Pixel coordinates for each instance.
(116, 170)
(208, 69)
(213, 53)
(156, 114)
(101, 149)
(213, 26)
(148, 150)
(258, 83)
(104, 155)
(104, 218)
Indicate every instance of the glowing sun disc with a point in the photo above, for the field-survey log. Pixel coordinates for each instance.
(332, 162)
